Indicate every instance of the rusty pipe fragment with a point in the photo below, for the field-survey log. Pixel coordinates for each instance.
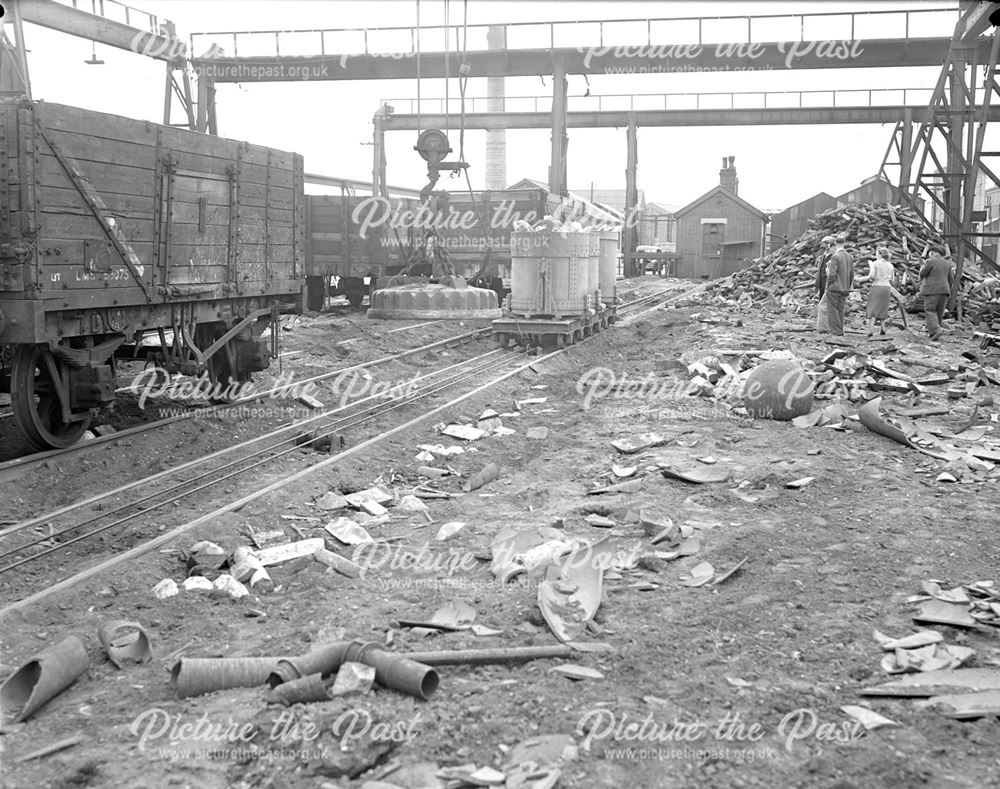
(42, 678)
(194, 676)
(302, 690)
(324, 660)
(395, 670)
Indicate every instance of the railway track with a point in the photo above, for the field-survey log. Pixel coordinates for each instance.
(22, 546)
(36, 459)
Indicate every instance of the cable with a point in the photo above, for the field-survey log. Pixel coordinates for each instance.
(418, 68)
(447, 57)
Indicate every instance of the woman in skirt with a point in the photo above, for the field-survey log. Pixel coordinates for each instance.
(881, 274)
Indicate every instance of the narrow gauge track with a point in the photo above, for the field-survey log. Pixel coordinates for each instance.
(38, 458)
(435, 382)
(222, 466)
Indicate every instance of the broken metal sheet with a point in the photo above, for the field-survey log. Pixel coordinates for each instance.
(808, 420)
(379, 494)
(938, 612)
(632, 444)
(632, 486)
(694, 474)
(290, 550)
(799, 483)
(449, 529)
(332, 500)
(600, 521)
(919, 639)
(956, 595)
(964, 706)
(577, 672)
(899, 430)
(870, 719)
(411, 503)
(373, 508)
(464, 432)
(699, 575)
(933, 683)
(570, 593)
(348, 532)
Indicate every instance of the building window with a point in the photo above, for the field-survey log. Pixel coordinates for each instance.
(712, 237)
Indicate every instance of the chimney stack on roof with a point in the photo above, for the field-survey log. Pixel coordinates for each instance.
(727, 175)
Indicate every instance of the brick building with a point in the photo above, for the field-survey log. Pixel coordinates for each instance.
(719, 232)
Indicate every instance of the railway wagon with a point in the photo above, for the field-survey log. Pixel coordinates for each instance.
(112, 229)
(355, 239)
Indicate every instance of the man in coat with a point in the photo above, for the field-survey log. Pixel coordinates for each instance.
(935, 288)
(839, 280)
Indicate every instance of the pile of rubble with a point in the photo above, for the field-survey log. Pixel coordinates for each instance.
(793, 267)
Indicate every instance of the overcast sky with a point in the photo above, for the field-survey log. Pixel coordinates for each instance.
(330, 122)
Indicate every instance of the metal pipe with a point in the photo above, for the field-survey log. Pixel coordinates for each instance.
(195, 676)
(476, 657)
(42, 678)
(395, 671)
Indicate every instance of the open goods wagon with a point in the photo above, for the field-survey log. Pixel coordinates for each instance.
(112, 229)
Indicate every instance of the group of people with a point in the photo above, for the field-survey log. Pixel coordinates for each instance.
(836, 278)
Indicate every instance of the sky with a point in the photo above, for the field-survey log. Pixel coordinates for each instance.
(330, 122)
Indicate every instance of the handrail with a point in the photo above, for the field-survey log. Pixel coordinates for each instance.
(100, 8)
(845, 97)
(605, 33)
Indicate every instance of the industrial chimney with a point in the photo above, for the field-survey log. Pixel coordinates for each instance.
(727, 175)
(496, 139)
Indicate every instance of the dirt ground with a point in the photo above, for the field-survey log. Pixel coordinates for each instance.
(739, 684)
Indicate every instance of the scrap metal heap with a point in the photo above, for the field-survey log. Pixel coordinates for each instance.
(791, 270)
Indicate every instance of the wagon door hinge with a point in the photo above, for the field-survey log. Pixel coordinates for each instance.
(100, 211)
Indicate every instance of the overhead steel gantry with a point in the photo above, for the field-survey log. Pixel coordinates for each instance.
(957, 118)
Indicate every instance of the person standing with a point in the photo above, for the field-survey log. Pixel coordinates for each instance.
(935, 289)
(839, 279)
(881, 273)
(822, 323)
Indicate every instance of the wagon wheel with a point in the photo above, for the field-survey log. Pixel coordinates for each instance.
(35, 399)
(221, 365)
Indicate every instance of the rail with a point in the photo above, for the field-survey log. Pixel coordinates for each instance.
(618, 102)
(406, 41)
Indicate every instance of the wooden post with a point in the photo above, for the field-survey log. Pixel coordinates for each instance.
(557, 169)
(629, 232)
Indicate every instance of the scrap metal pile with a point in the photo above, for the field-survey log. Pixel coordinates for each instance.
(791, 269)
